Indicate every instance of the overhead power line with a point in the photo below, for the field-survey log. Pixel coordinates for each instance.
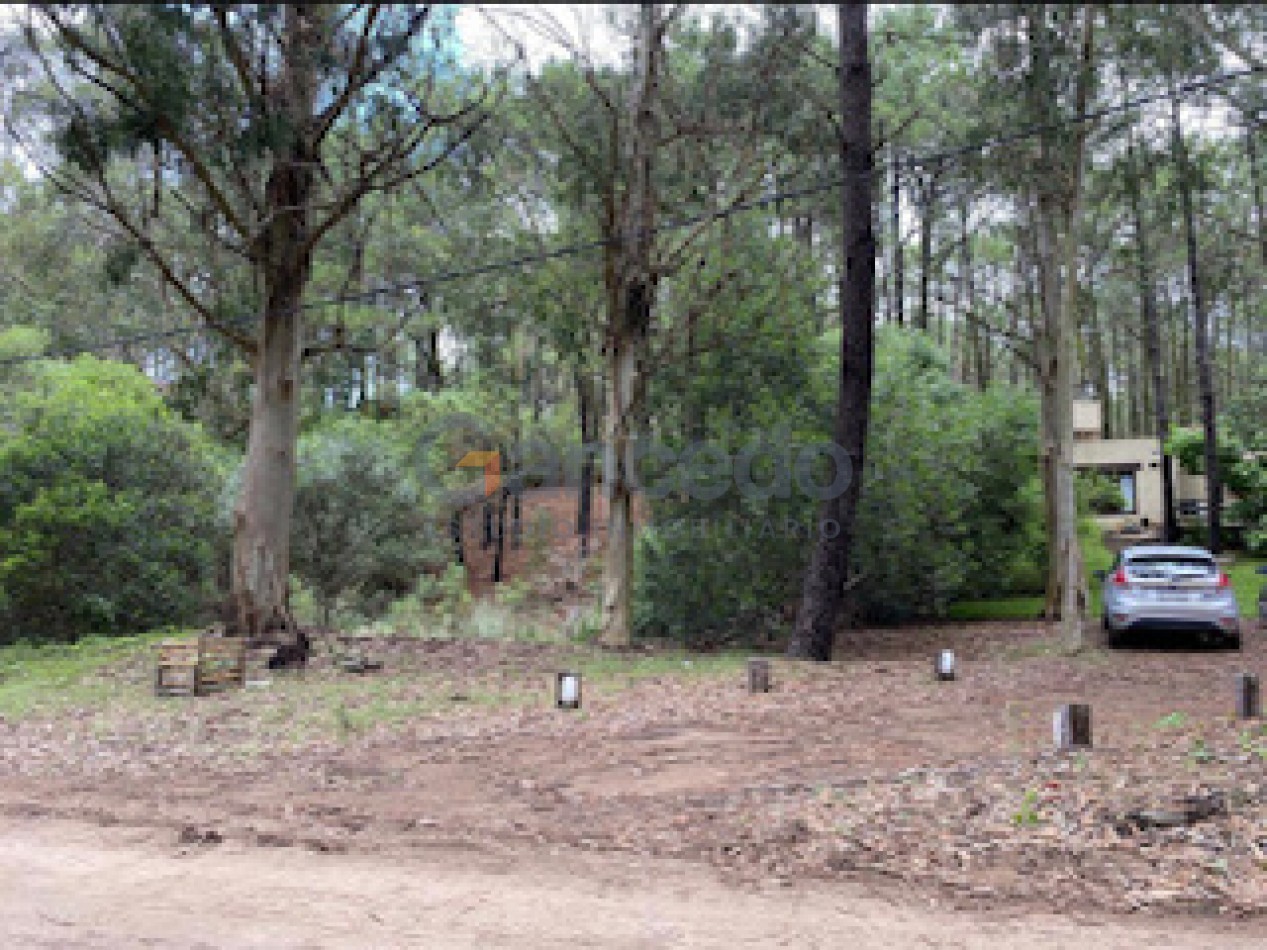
(930, 159)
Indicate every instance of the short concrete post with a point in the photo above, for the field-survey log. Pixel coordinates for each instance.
(944, 665)
(758, 675)
(1247, 697)
(567, 690)
(1072, 726)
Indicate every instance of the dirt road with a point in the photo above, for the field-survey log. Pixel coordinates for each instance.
(75, 886)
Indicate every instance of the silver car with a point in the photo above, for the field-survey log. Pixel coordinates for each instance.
(1153, 587)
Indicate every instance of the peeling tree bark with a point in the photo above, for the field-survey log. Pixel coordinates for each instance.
(262, 516)
(1059, 198)
(628, 322)
(1074, 599)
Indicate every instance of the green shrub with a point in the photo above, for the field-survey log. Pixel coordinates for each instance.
(362, 530)
(951, 504)
(1243, 473)
(107, 506)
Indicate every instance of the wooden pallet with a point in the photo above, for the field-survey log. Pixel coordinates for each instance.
(200, 665)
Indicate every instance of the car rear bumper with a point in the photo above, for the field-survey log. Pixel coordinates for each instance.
(1223, 627)
(1219, 616)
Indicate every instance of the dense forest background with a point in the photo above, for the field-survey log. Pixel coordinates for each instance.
(466, 228)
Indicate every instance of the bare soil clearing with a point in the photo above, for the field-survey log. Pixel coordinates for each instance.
(448, 777)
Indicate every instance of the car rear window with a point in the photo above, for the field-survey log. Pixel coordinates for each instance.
(1166, 565)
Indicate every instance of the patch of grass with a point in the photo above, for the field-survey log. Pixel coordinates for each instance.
(1246, 582)
(1027, 815)
(1199, 752)
(1006, 608)
(50, 677)
(1095, 557)
(1174, 720)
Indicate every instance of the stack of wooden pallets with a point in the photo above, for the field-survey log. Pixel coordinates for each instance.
(200, 665)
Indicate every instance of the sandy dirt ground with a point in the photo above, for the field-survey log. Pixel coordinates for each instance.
(443, 802)
(74, 886)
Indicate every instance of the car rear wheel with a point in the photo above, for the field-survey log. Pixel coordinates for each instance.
(1112, 637)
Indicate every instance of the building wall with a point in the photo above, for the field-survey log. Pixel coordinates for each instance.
(1143, 457)
(1088, 418)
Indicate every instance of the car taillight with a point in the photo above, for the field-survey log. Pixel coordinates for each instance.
(1119, 576)
(1224, 580)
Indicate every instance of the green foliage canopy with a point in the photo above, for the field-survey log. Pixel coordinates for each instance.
(107, 506)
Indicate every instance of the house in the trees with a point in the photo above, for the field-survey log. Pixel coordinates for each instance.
(1135, 465)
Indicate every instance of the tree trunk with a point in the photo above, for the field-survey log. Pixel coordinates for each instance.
(499, 551)
(1256, 184)
(1201, 338)
(1134, 387)
(928, 207)
(1152, 345)
(622, 367)
(262, 515)
(899, 276)
(586, 418)
(1074, 599)
(1098, 360)
(1059, 200)
(261, 523)
(824, 590)
(627, 331)
(1046, 351)
(972, 360)
(1014, 318)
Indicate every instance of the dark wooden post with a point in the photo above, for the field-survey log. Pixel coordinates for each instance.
(499, 553)
(1262, 598)
(487, 538)
(517, 521)
(1247, 697)
(455, 531)
(758, 675)
(1072, 726)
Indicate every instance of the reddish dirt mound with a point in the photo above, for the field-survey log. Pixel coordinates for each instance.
(550, 545)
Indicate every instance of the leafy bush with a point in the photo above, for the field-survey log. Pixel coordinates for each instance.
(1243, 473)
(951, 504)
(362, 532)
(107, 506)
(712, 570)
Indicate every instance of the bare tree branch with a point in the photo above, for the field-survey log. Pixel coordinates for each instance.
(470, 117)
(76, 41)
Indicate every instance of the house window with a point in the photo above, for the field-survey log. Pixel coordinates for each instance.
(1125, 478)
(1126, 485)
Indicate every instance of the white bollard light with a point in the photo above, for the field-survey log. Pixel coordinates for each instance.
(567, 690)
